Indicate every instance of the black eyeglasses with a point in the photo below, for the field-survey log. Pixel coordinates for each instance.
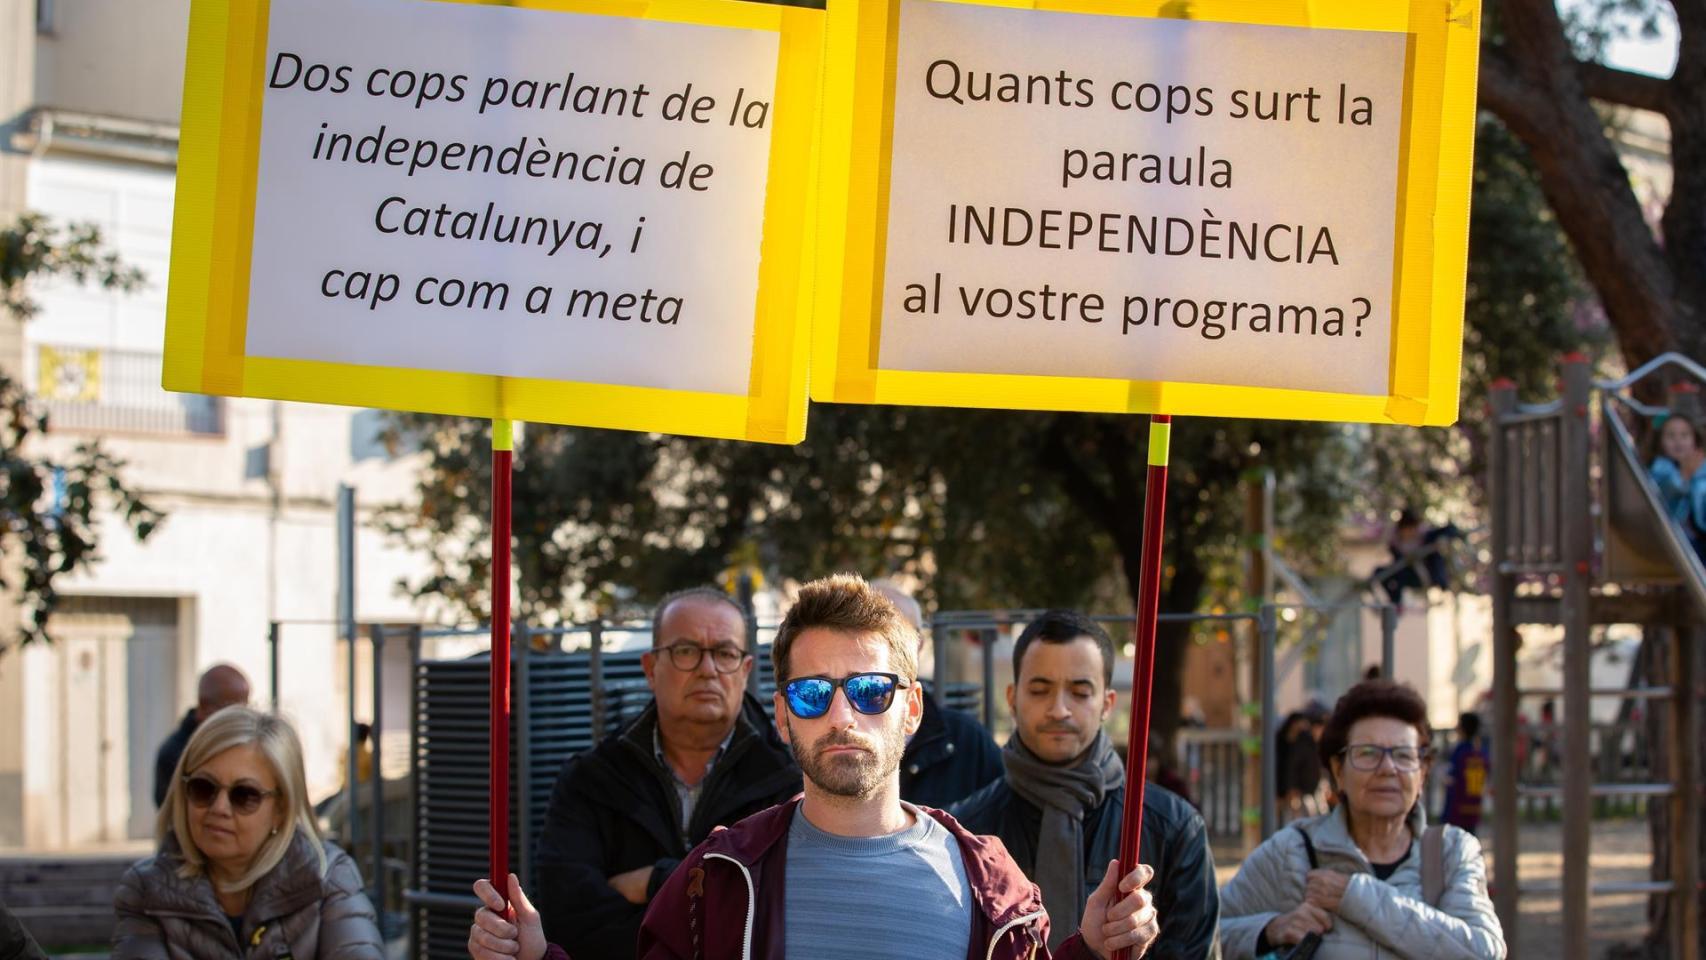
(1367, 757)
(869, 693)
(686, 656)
(204, 791)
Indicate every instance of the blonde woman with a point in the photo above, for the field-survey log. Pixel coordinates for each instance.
(242, 871)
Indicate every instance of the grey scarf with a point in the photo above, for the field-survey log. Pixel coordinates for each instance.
(1065, 795)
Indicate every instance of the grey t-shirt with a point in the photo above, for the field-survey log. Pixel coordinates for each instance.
(853, 898)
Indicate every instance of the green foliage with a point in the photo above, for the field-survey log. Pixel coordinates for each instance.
(50, 505)
(988, 508)
(34, 247)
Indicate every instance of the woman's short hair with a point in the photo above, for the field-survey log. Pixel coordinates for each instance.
(1373, 698)
(275, 740)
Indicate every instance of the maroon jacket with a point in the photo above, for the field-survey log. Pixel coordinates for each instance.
(725, 901)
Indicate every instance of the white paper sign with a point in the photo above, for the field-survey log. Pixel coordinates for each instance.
(1142, 199)
(524, 193)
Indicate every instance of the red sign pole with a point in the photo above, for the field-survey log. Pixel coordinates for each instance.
(1143, 665)
(503, 445)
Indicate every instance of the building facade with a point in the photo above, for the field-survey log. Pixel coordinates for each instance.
(91, 93)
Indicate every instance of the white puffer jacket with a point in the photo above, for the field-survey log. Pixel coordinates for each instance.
(1376, 919)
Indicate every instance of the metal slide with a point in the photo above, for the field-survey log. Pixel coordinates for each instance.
(1641, 543)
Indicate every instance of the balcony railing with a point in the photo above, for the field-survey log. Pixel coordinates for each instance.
(117, 391)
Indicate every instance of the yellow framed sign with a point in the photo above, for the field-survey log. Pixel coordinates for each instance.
(578, 211)
(1199, 207)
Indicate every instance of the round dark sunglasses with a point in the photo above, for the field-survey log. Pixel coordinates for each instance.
(204, 791)
(869, 693)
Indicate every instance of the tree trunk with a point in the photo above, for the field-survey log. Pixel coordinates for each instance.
(1534, 83)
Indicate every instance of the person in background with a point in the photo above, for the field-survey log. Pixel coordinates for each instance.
(1302, 771)
(242, 870)
(1060, 807)
(951, 755)
(1677, 472)
(363, 753)
(625, 812)
(221, 686)
(1163, 772)
(1370, 877)
(1411, 547)
(1466, 776)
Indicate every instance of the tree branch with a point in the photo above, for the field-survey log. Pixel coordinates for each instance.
(1522, 106)
(1075, 481)
(1624, 87)
(1533, 83)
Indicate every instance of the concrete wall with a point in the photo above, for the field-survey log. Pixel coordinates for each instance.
(17, 94)
(116, 58)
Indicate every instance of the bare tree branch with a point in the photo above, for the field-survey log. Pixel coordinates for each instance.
(1521, 105)
(1625, 88)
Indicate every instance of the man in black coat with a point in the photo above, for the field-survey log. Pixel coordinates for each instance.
(221, 686)
(624, 813)
(1060, 806)
(951, 756)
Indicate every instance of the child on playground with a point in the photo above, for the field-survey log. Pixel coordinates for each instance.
(1466, 776)
(1412, 546)
(1677, 472)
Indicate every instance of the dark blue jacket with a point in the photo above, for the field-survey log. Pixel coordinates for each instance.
(166, 758)
(950, 758)
(1175, 843)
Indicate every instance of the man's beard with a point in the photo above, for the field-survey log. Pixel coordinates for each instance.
(855, 775)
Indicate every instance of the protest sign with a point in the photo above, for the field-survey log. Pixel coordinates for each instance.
(1215, 208)
(576, 211)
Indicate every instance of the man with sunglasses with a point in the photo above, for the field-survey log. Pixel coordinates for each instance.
(848, 871)
(1060, 808)
(624, 813)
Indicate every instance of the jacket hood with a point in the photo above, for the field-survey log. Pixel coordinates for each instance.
(1002, 891)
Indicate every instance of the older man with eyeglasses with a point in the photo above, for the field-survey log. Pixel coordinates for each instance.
(624, 813)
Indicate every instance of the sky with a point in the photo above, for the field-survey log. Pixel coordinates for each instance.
(1656, 56)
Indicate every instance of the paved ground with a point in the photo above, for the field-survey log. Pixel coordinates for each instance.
(1622, 852)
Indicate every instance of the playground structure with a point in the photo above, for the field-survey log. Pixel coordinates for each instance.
(1581, 539)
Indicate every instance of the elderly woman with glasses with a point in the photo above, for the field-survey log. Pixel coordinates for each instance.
(242, 871)
(1370, 878)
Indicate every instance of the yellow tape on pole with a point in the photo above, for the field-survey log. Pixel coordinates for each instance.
(1160, 436)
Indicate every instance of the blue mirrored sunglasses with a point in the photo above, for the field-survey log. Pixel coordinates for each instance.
(869, 693)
